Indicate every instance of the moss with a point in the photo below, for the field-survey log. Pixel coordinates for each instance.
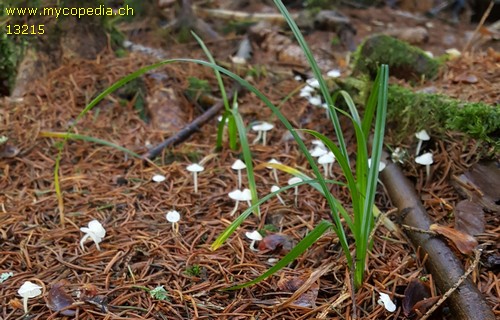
(410, 112)
(405, 61)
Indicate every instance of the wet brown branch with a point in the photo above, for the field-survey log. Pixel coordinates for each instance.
(466, 302)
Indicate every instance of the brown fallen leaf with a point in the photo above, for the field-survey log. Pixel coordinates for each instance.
(59, 300)
(469, 217)
(275, 242)
(415, 292)
(421, 307)
(307, 298)
(464, 242)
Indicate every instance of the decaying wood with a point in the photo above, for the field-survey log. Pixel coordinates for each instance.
(466, 302)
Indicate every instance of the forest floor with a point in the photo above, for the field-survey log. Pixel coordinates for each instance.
(141, 251)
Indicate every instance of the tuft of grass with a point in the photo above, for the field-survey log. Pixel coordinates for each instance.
(362, 184)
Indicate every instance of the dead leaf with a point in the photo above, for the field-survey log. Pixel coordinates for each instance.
(7, 150)
(275, 242)
(59, 300)
(291, 284)
(469, 217)
(421, 307)
(464, 242)
(415, 292)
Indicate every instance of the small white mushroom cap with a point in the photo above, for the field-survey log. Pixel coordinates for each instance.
(240, 195)
(333, 73)
(96, 228)
(263, 126)
(246, 195)
(319, 143)
(158, 178)
(381, 165)
(386, 301)
(194, 168)
(254, 235)
(273, 161)
(173, 216)
(318, 152)
(238, 165)
(274, 188)
(425, 159)
(315, 101)
(29, 290)
(326, 158)
(422, 135)
(95, 231)
(294, 180)
(313, 82)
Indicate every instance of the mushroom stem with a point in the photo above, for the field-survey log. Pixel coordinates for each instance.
(280, 199)
(259, 135)
(419, 145)
(239, 179)
(325, 167)
(428, 172)
(195, 177)
(252, 246)
(275, 173)
(175, 227)
(235, 208)
(330, 167)
(25, 304)
(296, 194)
(264, 135)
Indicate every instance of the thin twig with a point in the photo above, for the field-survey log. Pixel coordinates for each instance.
(454, 287)
(479, 26)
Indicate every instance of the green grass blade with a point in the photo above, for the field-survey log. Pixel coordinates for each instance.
(370, 107)
(300, 248)
(247, 156)
(373, 173)
(317, 74)
(217, 73)
(73, 136)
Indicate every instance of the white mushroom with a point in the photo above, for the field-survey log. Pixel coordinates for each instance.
(195, 168)
(295, 180)
(318, 152)
(386, 301)
(333, 73)
(158, 178)
(254, 236)
(239, 165)
(173, 216)
(262, 129)
(28, 290)
(275, 172)
(381, 165)
(274, 189)
(238, 196)
(327, 161)
(421, 136)
(95, 231)
(425, 160)
(315, 101)
(313, 82)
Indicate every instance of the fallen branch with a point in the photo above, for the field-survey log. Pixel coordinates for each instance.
(466, 302)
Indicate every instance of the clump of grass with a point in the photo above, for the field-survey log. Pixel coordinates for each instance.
(362, 184)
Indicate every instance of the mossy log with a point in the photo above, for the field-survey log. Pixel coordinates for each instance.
(410, 111)
(405, 61)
